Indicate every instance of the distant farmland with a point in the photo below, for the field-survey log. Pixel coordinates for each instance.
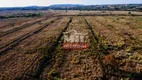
(31, 47)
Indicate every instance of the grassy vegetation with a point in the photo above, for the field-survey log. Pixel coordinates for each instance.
(114, 40)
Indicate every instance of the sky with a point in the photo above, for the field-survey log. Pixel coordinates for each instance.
(21, 3)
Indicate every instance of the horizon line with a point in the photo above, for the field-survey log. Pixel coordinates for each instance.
(68, 4)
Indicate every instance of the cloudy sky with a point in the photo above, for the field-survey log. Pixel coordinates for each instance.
(15, 3)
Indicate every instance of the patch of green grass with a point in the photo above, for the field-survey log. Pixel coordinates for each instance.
(139, 19)
(55, 78)
(140, 27)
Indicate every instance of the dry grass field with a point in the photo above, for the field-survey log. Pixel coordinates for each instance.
(105, 13)
(31, 48)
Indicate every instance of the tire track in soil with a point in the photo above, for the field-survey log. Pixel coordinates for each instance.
(46, 59)
(111, 71)
(74, 65)
(7, 38)
(48, 34)
(21, 27)
(126, 35)
(13, 43)
(106, 69)
(16, 24)
(97, 41)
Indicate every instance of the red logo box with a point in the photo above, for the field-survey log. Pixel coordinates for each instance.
(75, 46)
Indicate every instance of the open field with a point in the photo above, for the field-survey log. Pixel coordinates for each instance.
(99, 13)
(31, 48)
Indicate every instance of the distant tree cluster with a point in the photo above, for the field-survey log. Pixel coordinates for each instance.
(119, 7)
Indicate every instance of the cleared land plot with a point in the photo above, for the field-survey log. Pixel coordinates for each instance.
(115, 48)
